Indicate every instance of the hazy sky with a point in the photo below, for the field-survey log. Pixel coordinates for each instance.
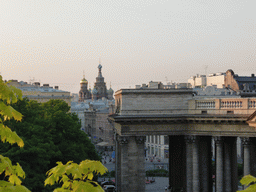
(53, 41)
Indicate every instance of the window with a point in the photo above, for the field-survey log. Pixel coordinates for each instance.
(230, 112)
(204, 112)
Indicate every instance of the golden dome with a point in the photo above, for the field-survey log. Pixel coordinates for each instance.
(84, 81)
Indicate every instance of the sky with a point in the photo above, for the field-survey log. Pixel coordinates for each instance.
(57, 41)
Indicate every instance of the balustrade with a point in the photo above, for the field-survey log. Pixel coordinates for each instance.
(252, 104)
(231, 104)
(205, 104)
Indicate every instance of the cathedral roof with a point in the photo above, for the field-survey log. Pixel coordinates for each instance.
(111, 91)
(84, 81)
(94, 91)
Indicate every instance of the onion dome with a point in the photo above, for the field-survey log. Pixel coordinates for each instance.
(110, 91)
(84, 81)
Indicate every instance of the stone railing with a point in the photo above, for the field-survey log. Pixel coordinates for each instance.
(208, 104)
(222, 106)
(231, 104)
(252, 104)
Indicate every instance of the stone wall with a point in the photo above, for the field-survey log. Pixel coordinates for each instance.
(152, 101)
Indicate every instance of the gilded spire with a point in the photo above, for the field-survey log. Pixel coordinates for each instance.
(84, 81)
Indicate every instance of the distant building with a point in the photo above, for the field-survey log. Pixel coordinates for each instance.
(100, 89)
(160, 85)
(214, 92)
(93, 116)
(84, 93)
(246, 85)
(41, 93)
(197, 81)
(216, 79)
(93, 108)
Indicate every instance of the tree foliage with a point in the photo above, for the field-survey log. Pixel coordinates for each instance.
(9, 95)
(51, 134)
(76, 177)
(12, 173)
(250, 182)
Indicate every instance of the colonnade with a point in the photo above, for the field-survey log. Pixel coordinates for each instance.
(190, 163)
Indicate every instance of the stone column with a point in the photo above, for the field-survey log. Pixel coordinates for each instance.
(189, 160)
(246, 145)
(117, 164)
(122, 169)
(196, 182)
(137, 160)
(219, 164)
(132, 166)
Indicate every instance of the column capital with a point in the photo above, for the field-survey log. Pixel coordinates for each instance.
(218, 139)
(246, 140)
(190, 138)
(140, 139)
(122, 140)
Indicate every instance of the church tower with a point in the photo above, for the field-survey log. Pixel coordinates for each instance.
(100, 85)
(84, 93)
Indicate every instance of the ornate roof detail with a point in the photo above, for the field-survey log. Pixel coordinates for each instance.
(94, 91)
(84, 81)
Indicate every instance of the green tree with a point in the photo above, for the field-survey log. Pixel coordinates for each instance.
(250, 182)
(51, 134)
(12, 173)
(76, 177)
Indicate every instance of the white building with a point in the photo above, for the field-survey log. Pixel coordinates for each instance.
(213, 79)
(216, 79)
(197, 81)
(157, 145)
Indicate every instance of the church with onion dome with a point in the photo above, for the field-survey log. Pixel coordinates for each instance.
(84, 93)
(99, 91)
(93, 107)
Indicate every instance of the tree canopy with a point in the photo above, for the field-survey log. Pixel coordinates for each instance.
(76, 178)
(50, 134)
(250, 182)
(11, 174)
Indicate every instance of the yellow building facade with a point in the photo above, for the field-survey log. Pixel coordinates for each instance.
(41, 93)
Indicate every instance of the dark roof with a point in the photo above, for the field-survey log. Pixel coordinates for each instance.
(245, 79)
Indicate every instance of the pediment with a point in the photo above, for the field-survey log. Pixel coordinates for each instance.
(252, 120)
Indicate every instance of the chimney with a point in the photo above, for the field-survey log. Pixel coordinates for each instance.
(56, 87)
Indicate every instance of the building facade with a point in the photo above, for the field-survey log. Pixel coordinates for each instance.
(246, 85)
(84, 93)
(93, 108)
(40, 93)
(100, 86)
